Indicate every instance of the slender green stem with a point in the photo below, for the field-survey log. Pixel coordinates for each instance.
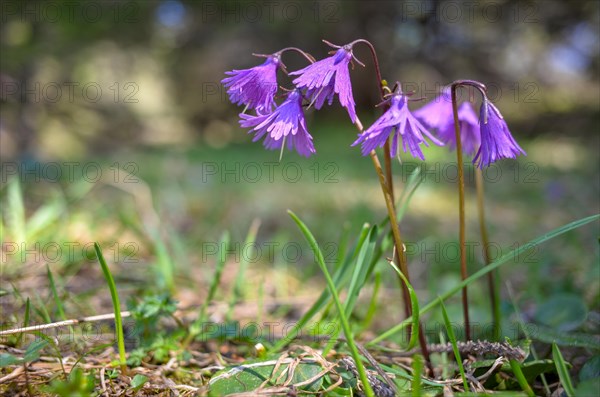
(461, 213)
(492, 282)
(116, 307)
(341, 312)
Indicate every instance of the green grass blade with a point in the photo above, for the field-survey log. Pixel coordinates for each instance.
(44, 217)
(116, 307)
(164, 263)
(516, 368)
(339, 279)
(342, 245)
(196, 327)
(341, 312)
(362, 271)
(482, 272)
(563, 372)
(239, 289)
(25, 320)
(414, 302)
(41, 308)
(452, 338)
(411, 187)
(16, 211)
(223, 248)
(59, 306)
(373, 303)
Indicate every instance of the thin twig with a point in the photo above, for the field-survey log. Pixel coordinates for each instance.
(103, 382)
(66, 323)
(14, 374)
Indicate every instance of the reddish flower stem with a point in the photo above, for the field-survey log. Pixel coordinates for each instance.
(461, 213)
(387, 187)
(461, 193)
(306, 55)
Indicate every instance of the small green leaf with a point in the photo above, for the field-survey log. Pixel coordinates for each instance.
(564, 312)
(249, 377)
(590, 370)
(77, 384)
(588, 388)
(533, 369)
(138, 381)
(33, 350)
(549, 335)
(8, 359)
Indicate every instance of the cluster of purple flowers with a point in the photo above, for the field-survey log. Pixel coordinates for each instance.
(486, 137)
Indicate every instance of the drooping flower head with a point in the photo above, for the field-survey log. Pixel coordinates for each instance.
(327, 77)
(284, 125)
(397, 120)
(254, 87)
(496, 141)
(437, 113)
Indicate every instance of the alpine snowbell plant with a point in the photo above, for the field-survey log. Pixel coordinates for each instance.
(485, 138)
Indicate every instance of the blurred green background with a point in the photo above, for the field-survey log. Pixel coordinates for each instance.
(113, 112)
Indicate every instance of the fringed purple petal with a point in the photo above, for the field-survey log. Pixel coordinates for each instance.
(327, 77)
(496, 140)
(285, 124)
(255, 87)
(437, 113)
(398, 119)
(469, 130)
